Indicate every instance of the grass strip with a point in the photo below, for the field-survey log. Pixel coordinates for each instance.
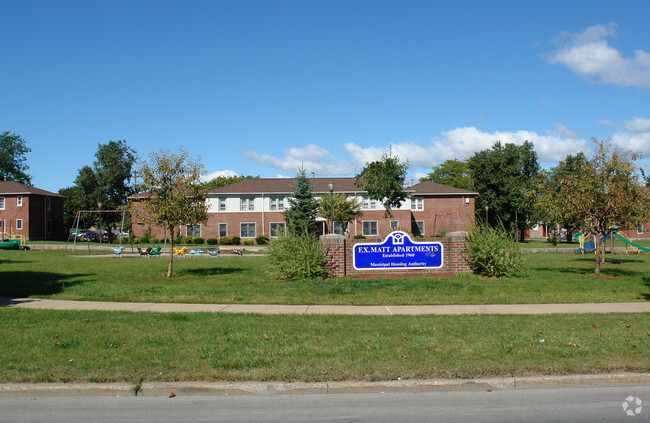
(99, 346)
(547, 278)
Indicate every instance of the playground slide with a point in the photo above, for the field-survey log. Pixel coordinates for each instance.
(627, 241)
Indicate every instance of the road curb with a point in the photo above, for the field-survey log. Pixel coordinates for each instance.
(171, 389)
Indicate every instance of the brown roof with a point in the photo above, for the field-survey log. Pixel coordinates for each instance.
(320, 185)
(434, 188)
(11, 187)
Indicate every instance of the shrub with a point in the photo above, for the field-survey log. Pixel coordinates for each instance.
(248, 241)
(235, 240)
(225, 240)
(135, 240)
(154, 241)
(199, 240)
(189, 240)
(212, 241)
(493, 251)
(146, 237)
(297, 257)
(359, 237)
(262, 240)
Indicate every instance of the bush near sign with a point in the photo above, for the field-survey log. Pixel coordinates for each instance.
(397, 251)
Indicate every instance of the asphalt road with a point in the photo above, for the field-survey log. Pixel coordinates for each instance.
(529, 405)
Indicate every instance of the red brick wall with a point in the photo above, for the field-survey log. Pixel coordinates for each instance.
(35, 215)
(455, 258)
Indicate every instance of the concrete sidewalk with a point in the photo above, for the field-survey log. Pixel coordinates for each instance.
(387, 310)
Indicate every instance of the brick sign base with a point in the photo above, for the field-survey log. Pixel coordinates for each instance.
(455, 258)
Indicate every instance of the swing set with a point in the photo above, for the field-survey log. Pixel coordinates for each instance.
(79, 218)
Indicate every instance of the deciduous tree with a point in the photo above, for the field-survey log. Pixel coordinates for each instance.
(454, 173)
(13, 151)
(607, 191)
(345, 209)
(173, 193)
(504, 176)
(384, 181)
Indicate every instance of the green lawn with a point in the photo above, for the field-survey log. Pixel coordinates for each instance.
(548, 278)
(75, 346)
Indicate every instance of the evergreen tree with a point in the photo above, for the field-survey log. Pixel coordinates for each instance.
(303, 207)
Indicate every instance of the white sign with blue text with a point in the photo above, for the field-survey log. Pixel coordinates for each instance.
(398, 251)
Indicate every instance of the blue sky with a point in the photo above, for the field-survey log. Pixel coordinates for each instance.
(263, 87)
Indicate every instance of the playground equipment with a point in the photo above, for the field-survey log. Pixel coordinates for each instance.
(79, 218)
(10, 244)
(446, 222)
(587, 243)
(635, 247)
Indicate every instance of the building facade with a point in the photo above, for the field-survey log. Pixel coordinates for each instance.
(255, 207)
(30, 212)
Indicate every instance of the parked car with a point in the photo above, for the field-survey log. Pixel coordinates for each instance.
(108, 237)
(78, 235)
(91, 236)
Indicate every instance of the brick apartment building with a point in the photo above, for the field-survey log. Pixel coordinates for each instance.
(256, 206)
(31, 212)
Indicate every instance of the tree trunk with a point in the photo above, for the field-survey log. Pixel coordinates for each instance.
(597, 245)
(170, 271)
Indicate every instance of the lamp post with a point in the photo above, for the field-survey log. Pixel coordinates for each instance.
(331, 188)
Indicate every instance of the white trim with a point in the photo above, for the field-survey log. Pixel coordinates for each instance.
(19, 227)
(19, 201)
(2, 203)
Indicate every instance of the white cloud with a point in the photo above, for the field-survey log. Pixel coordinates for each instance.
(225, 173)
(589, 55)
(312, 158)
(635, 137)
(458, 143)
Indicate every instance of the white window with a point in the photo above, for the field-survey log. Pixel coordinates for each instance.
(417, 203)
(248, 203)
(247, 230)
(340, 227)
(193, 230)
(19, 224)
(222, 204)
(19, 201)
(639, 229)
(370, 228)
(223, 230)
(277, 203)
(369, 204)
(277, 229)
(2, 203)
(394, 224)
(417, 227)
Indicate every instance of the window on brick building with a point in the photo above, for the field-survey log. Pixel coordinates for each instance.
(2, 203)
(223, 230)
(248, 204)
(417, 227)
(369, 228)
(277, 203)
(394, 224)
(277, 229)
(19, 224)
(193, 230)
(417, 203)
(247, 230)
(222, 204)
(19, 201)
